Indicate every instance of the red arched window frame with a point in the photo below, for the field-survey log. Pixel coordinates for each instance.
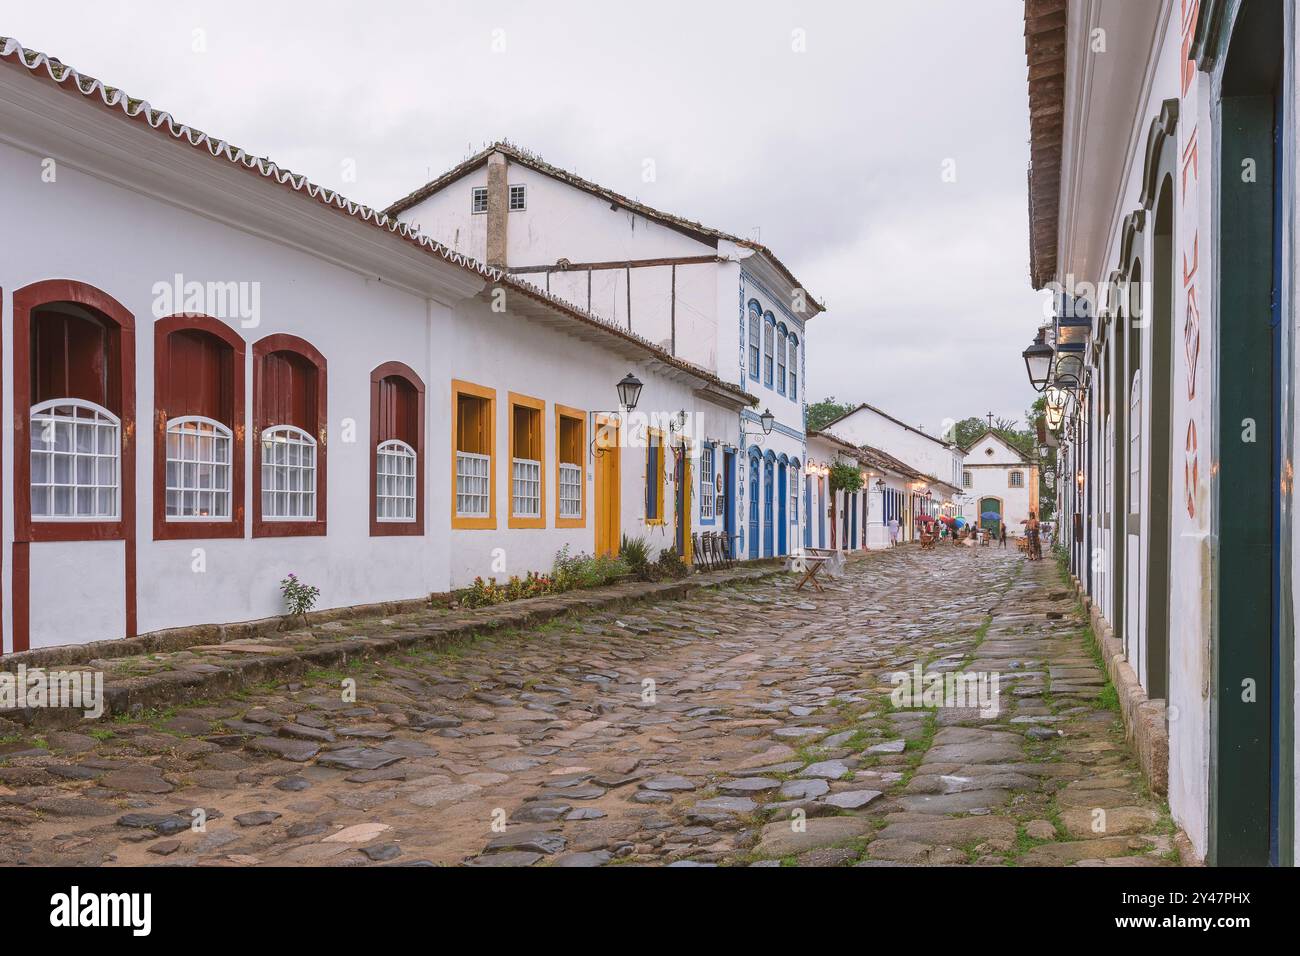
(270, 395)
(120, 392)
(222, 399)
(396, 413)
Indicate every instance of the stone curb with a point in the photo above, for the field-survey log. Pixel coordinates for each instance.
(133, 696)
(1144, 719)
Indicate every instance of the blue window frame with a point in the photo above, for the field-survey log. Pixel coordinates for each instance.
(769, 348)
(708, 511)
(794, 367)
(794, 491)
(755, 320)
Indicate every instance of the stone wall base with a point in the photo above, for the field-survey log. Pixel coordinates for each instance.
(1144, 719)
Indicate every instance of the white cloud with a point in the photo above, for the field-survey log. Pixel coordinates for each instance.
(834, 153)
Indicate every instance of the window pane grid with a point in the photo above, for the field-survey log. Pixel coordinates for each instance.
(395, 482)
(706, 482)
(769, 347)
(794, 370)
(75, 450)
(288, 474)
(472, 485)
(525, 488)
(198, 470)
(570, 490)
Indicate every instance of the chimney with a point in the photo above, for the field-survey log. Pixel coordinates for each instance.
(498, 196)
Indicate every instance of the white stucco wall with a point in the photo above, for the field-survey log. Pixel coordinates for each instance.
(125, 243)
(925, 453)
(563, 222)
(990, 464)
(1190, 568)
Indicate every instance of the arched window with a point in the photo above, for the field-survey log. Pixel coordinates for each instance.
(794, 367)
(76, 450)
(289, 430)
(74, 427)
(755, 320)
(396, 450)
(795, 471)
(288, 474)
(769, 347)
(199, 429)
(75, 435)
(782, 336)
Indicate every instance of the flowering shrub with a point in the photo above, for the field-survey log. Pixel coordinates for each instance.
(299, 598)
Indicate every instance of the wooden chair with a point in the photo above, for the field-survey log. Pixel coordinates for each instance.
(697, 553)
(729, 549)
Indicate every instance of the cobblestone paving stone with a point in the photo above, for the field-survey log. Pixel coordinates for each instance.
(767, 737)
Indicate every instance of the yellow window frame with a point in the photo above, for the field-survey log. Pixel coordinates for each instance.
(661, 519)
(515, 400)
(573, 414)
(459, 388)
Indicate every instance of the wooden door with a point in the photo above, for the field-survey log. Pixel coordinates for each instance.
(607, 452)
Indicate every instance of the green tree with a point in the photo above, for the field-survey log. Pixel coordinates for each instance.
(821, 414)
(967, 430)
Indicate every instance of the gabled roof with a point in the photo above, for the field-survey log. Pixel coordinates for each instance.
(879, 459)
(95, 93)
(989, 432)
(695, 230)
(896, 421)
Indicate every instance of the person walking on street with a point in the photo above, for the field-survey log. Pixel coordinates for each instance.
(1004, 534)
(1031, 529)
(893, 532)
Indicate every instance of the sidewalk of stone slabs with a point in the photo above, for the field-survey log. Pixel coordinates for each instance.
(134, 684)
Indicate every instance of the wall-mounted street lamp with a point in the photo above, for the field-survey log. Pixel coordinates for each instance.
(767, 420)
(629, 393)
(1038, 361)
(880, 484)
(1058, 401)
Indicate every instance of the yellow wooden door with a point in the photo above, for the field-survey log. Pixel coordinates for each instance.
(607, 451)
(683, 509)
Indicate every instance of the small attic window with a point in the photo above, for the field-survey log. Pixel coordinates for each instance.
(518, 198)
(988, 451)
(479, 201)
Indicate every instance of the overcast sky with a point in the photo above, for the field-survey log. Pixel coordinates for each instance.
(833, 155)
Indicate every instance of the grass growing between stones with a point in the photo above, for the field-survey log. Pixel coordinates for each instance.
(914, 750)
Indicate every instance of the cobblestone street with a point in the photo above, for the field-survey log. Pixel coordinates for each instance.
(740, 725)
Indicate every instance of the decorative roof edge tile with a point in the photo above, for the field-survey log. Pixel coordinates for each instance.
(40, 65)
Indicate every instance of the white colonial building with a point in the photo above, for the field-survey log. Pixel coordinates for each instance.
(1001, 483)
(722, 303)
(216, 373)
(891, 489)
(1163, 215)
(931, 465)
